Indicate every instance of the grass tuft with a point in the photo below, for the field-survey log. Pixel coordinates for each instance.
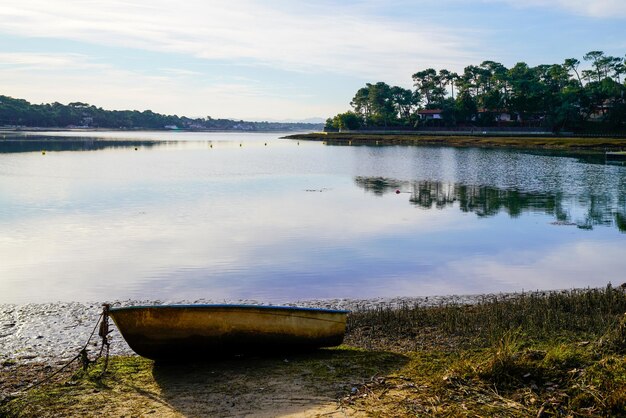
(534, 354)
(560, 315)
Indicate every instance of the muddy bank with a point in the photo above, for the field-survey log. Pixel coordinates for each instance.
(517, 355)
(487, 140)
(53, 333)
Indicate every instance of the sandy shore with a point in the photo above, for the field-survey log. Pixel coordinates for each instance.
(38, 339)
(403, 363)
(52, 333)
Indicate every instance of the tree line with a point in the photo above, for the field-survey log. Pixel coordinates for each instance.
(19, 112)
(555, 97)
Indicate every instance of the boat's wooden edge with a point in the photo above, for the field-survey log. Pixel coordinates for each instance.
(234, 307)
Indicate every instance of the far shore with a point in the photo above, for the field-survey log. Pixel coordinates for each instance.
(5, 130)
(482, 140)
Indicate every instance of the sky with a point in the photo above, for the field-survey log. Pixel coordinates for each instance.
(279, 59)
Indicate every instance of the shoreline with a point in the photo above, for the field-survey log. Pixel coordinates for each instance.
(52, 333)
(488, 140)
(510, 354)
(4, 130)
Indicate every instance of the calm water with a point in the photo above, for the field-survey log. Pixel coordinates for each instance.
(176, 216)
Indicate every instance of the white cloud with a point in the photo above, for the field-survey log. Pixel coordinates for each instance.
(47, 77)
(326, 37)
(181, 72)
(38, 61)
(316, 38)
(592, 8)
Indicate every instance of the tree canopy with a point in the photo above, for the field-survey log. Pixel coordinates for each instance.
(555, 97)
(19, 112)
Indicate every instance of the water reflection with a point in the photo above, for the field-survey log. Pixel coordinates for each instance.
(88, 144)
(251, 216)
(597, 209)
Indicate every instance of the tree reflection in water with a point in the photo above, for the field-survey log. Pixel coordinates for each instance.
(596, 208)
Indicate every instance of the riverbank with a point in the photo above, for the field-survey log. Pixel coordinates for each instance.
(488, 140)
(534, 354)
(52, 333)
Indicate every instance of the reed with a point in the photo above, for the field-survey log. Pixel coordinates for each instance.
(585, 313)
(533, 354)
(536, 354)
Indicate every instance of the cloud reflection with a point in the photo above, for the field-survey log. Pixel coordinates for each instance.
(291, 222)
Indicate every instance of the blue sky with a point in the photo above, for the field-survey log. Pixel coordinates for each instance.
(276, 60)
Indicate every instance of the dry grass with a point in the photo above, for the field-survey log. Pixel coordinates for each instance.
(539, 354)
(489, 140)
(581, 314)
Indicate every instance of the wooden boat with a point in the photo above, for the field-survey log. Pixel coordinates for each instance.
(616, 156)
(174, 332)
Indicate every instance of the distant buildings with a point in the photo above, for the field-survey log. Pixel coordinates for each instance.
(429, 114)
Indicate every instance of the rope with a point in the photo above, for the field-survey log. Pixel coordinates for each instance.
(103, 333)
(103, 322)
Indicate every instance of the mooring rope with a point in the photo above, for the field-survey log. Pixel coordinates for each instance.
(103, 332)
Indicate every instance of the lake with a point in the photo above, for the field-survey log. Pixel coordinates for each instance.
(226, 216)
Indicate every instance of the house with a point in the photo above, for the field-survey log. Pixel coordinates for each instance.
(427, 114)
(500, 115)
(599, 112)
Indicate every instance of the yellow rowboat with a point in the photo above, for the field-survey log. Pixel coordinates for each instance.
(616, 156)
(177, 332)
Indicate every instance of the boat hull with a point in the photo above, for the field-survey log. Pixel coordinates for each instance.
(175, 332)
(616, 156)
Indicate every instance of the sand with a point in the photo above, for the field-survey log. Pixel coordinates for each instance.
(37, 339)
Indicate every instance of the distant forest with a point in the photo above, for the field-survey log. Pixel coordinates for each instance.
(554, 97)
(20, 113)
